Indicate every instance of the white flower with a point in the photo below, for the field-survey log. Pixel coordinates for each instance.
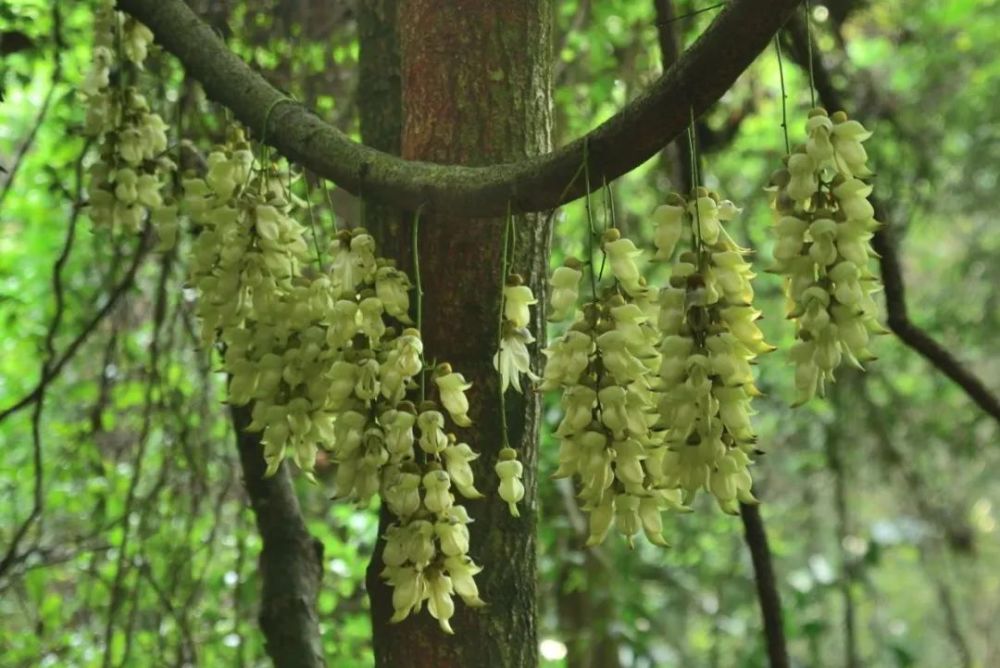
(437, 494)
(509, 471)
(391, 287)
(669, 219)
(513, 358)
(516, 300)
(621, 254)
(452, 387)
(456, 461)
(439, 601)
(565, 283)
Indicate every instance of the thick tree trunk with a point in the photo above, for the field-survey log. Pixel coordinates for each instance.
(475, 90)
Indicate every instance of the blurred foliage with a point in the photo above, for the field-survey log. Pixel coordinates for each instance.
(881, 501)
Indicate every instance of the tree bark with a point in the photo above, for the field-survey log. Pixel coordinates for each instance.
(380, 112)
(475, 91)
(291, 560)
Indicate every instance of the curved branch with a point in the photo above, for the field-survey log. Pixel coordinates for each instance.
(739, 32)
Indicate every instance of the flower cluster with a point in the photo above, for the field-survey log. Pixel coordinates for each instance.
(606, 367)
(125, 182)
(709, 341)
(513, 360)
(328, 361)
(824, 225)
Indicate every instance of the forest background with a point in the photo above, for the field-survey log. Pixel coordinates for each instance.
(880, 501)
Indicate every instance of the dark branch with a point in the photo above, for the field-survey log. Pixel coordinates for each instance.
(892, 275)
(767, 587)
(291, 560)
(740, 32)
(43, 111)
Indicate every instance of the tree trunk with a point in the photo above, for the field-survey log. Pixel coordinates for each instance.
(475, 81)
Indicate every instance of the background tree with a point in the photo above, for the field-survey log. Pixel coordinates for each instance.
(127, 536)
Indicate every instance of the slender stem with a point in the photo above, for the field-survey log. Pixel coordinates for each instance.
(420, 292)
(504, 267)
(812, 78)
(312, 219)
(695, 181)
(591, 229)
(784, 95)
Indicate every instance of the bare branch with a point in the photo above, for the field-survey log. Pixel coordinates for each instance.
(699, 78)
(54, 369)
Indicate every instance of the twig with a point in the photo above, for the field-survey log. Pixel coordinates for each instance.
(43, 111)
(38, 500)
(767, 587)
(152, 385)
(116, 294)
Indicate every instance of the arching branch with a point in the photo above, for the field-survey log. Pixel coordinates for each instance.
(699, 78)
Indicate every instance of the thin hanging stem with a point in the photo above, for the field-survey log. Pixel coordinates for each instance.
(508, 248)
(312, 222)
(420, 291)
(784, 95)
(695, 182)
(591, 230)
(809, 42)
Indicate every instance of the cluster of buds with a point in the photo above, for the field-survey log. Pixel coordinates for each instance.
(328, 360)
(709, 341)
(824, 225)
(605, 366)
(124, 183)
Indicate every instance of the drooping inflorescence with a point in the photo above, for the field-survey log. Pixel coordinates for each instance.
(329, 362)
(824, 225)
(125, 182)
(605, 366)
(512, 360)
(709, 342)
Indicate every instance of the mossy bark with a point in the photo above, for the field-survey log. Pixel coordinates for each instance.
(475, 91)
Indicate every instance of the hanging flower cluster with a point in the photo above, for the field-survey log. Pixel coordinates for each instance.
(605, 366)
(709, 341)
(125, 182)
(513, 360)
(824, 225)
(328, 361)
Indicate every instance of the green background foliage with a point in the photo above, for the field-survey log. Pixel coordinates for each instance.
(881, 501)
